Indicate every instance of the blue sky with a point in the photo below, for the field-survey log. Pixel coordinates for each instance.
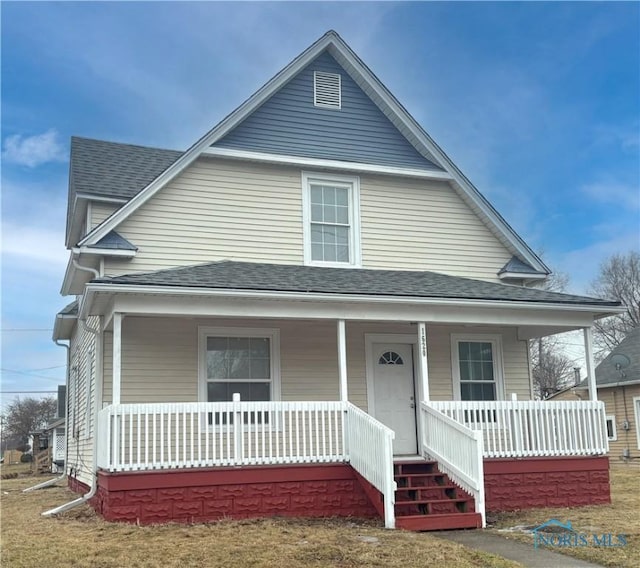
(538, 103)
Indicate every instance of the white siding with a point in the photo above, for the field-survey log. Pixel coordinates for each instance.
(223, 209)
(218, 210)
(100, 211)
(82, 386)
(160, 358)
(425, 225)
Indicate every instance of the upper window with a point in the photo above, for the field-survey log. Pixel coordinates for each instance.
(239, 360)
(331, 220)
(327, 90)
(477, 368)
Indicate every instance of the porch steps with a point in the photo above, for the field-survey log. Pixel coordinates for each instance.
(426, 500)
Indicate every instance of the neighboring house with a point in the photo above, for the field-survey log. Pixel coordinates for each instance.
(48, 447)
(307, 308)
(618, 382)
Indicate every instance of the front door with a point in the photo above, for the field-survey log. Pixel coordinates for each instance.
(394, 393)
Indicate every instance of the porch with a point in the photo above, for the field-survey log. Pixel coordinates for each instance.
(338, 394)
(293, 442)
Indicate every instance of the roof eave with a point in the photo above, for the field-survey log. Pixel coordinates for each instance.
(599, 310)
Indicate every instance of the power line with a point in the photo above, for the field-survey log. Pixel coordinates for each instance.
(26, 374)
(34, 370)
(29, 392)
(28, 329)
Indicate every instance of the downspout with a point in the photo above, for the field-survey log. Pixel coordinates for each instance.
(55, 480)
(94, 481)
(79, 266)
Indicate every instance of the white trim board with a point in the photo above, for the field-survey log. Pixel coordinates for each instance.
(358, 167)
(636, 412)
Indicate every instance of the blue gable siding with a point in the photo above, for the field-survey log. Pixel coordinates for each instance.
(288, 123)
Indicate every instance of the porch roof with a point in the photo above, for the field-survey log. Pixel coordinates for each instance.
(319, 280)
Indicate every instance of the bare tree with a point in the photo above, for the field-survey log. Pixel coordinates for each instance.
(619, 279)
(27, 415)
(551, 369)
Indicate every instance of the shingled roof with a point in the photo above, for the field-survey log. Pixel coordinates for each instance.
(321, 280)
(114, 240)
(606, 373)
(516, 265)
(110, 169)
(70, 310)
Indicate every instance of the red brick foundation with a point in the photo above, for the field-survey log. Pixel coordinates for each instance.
(527, 483)
(211, 494)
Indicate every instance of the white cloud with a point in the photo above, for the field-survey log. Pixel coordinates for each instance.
(35, 244)
(626, 196)
(32, 151)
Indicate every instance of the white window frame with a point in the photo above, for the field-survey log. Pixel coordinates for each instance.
(353, 184)
(90, 366)
(498, 363)
(273, 334)
(614, 427)
(636, 412)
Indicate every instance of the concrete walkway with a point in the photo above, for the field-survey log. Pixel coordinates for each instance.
(520, 552)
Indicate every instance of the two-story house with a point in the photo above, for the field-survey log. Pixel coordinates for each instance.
(311, 311)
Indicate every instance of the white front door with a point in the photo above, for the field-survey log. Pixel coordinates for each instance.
(394, 393)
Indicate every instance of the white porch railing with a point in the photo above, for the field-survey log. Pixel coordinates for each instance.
(458, 450)
(370, 446)
(533, 428)
(137, 437)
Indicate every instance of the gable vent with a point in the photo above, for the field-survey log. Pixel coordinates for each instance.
(326, 90)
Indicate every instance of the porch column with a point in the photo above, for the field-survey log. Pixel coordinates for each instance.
(423, 368)
(117, 357)
(591, 366)
(342, 360)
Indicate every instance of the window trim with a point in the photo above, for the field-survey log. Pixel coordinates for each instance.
(355, 254)
(272, 333)
(90, 364)
(636, 412)
(498, 363)
(614, 427)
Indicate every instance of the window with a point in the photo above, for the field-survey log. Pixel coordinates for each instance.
(239, 360)
(327, 90)
(390, 358)
(476, 362)
(331, 224)
(612, 434)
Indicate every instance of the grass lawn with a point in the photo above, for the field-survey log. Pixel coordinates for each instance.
(621, 517)
(80, 538)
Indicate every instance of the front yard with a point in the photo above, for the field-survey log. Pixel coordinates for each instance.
(79, 538)
(621, 517)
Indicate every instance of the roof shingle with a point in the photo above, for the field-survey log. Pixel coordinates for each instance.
(312, 279)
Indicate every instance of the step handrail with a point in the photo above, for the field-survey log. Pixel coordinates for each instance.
(458, 451)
